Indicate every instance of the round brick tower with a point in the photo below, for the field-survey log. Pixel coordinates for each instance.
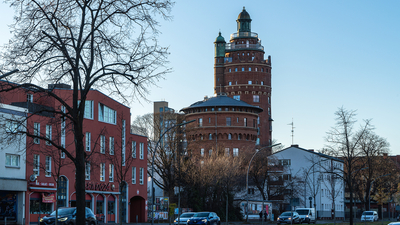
(223, 126)
(241, 72)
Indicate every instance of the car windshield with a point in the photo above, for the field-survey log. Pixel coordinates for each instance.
(201, 215)
(302, 211)
(185, 215)
(286, 214)
(63, 212)
(368, 213)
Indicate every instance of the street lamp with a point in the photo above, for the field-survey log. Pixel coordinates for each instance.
(152, 165)
(247, 178)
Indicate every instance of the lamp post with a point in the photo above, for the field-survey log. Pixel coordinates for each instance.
(369, 190)
(247, 178)
(152, 165)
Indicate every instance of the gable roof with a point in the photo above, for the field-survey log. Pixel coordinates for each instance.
(312, 152)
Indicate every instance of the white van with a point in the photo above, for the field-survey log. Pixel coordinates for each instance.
(307, 215)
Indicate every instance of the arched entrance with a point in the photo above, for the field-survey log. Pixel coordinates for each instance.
(137, 212)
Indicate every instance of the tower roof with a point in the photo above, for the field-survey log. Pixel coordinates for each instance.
(221, 100)
(244, 14)
(220, 39)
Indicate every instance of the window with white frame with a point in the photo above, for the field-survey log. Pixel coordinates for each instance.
(134, 149)
(88, 138)
(12, 126)
(141, 175)
(200, 122)
(202, 152)
(256, 98)
(111, 145)
(111, 173)
(63, 132)
(29, 97)
(141, 150)
(102, 144)
(245, 122)
(36, 132)
(12, 160)
(134, 175)
(102, 171)
(48, 166)
(48, 134)
(123, 143)
(87, 171)
(284, 162)
(235, 152)
(107, 114)
(36, 164)
(88, 113)
(227, 151)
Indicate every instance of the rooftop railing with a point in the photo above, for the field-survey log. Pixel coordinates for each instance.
(233, 46)
(244, 35)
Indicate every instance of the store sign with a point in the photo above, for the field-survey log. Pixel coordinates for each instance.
(99, 186)
(42, 184)
(48, 198)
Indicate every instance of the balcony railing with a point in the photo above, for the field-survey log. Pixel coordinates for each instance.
(244, 35)
(233, 46)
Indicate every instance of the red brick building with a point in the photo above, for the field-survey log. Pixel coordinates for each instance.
(241, 72)
(222, 124)
(111, 150)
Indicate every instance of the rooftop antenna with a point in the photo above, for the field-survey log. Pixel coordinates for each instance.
(292, 124)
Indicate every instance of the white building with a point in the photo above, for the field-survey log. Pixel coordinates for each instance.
(13, 184)
(313, 179)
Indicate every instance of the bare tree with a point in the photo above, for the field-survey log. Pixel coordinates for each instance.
(344, 142)
(108, 45)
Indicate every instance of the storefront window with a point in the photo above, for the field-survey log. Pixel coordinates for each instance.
(110, 208)
(99, 207)
(38, 207)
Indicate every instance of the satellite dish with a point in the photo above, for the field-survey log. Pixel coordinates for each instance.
(32, 177)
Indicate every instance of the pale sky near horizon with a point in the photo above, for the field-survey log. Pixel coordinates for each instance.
(325, 55)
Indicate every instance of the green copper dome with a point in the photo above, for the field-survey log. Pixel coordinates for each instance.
(244, 15)
(220, 39)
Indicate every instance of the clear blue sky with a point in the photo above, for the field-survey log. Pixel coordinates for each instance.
(325, 54)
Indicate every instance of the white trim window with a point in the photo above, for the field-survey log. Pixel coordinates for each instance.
(29, 97)
(48, 166)
(202, 152)
(12, 160)
(102, 171)
(63, 132)
(226, 151)
(141, 151)
(36, 132)
(87, 171)
(111, 145)
(123, 134)
(107, 114)
(111, 173)
(235, 152)
(88, 140)
(256, 98)
(88, 113)
(36, 164)
(12, 126)
(102, 144)
(134, 149)
(134, 175)
(49, 129)
(141, 175)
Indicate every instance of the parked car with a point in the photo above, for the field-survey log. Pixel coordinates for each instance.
(307, 215)
(208, 218)
(286, 217)
(369, 216)
(67, 215)
(183, 218)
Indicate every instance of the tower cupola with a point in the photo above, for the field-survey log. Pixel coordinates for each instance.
(219, 46)
(244, 21)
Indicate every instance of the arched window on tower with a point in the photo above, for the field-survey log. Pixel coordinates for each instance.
(229, 136)
(210, 136)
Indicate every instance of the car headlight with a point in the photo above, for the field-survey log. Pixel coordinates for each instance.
(307, 216)
(41, 220)
(204, 221)
(62, 219)
(279, 218)
(188, 220)
(289, 218)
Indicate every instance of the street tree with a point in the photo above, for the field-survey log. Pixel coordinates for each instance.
(108, 45)
(344, 141)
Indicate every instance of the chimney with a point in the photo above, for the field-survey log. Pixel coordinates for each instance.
(311, 150)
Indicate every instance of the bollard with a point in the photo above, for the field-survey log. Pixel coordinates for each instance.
(5, 220)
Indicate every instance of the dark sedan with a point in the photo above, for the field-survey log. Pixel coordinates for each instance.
(67, 215)
(206, 218)
(286, 217)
